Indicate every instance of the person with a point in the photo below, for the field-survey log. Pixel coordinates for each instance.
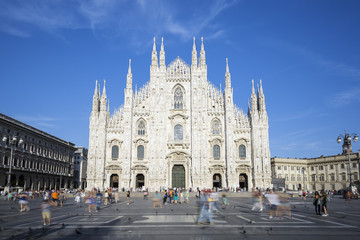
(224, 200)
(55, 196)
(317, 203)
(304, 195)
(274, 201)
(165, 197)
(9, 196)
(116, 196)
(98, 200)
(205, 215)
(82, 195)
(128, 197)
(323, 203)
(182, 197)
(106, 195)
(187, 196)
(146, 195)
(77, 199)
(347, 196)
(46, 213)
(62, 198)
(157, 200)
(24, 202)
(176, 197)
(257, 201)
(90, 201)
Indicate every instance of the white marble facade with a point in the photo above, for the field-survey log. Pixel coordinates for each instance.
(178, 130)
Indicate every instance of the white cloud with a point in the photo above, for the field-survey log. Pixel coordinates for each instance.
(346, 97)
(113, 18)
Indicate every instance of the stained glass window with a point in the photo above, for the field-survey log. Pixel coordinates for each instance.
(178, 132)
(140, 152)
(216, 127)
(178, 98)
(242, 151)
(216, 151)
(141, 128)
(115, 152)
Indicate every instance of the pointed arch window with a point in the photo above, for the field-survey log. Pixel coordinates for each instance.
(178, 132)
(216, 151)
(178, 99)
(115, 152)
(141, 127)
(140, 152)
(242, 151)
(216, 128)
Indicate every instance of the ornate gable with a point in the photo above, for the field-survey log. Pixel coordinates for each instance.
(178, 69)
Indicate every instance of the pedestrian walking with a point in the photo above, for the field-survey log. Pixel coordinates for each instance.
(187, 196)
(98, 200)
(24, 202)
(274, 201)
(55, 197)
(205, 211)
(257, 201)
(128, 197)
(317, 203)
(62, 198)
(46, 211)
(324, 200)
(165, 197)
(106, 195)
(77, 199)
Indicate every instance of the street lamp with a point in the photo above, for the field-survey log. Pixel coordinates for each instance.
(13, 142)
(347, 147)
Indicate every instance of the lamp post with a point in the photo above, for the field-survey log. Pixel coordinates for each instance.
(13, 142)
(347, 148)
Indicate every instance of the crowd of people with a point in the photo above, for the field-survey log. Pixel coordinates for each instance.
(208, 201)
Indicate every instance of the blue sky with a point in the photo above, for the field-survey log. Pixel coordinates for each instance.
(306, 53)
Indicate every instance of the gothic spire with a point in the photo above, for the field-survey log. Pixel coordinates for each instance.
(154, 58)
(227, 76)
(129, 76)
(95, 106)
(254, 103)
(202, 54)
(162, 55)
(194, 55)
(262, 106)
(103, 100)
(104, 90)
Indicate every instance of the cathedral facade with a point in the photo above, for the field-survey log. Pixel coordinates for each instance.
(178, 130)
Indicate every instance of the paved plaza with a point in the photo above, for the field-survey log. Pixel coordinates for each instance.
(140, 220)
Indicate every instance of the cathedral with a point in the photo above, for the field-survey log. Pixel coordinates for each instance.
(178, 130)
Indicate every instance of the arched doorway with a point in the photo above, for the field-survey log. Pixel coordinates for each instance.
(217, 181)
(21, 181)
(178, 176)
(243, 181)
(140, 180)
(114, 181)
